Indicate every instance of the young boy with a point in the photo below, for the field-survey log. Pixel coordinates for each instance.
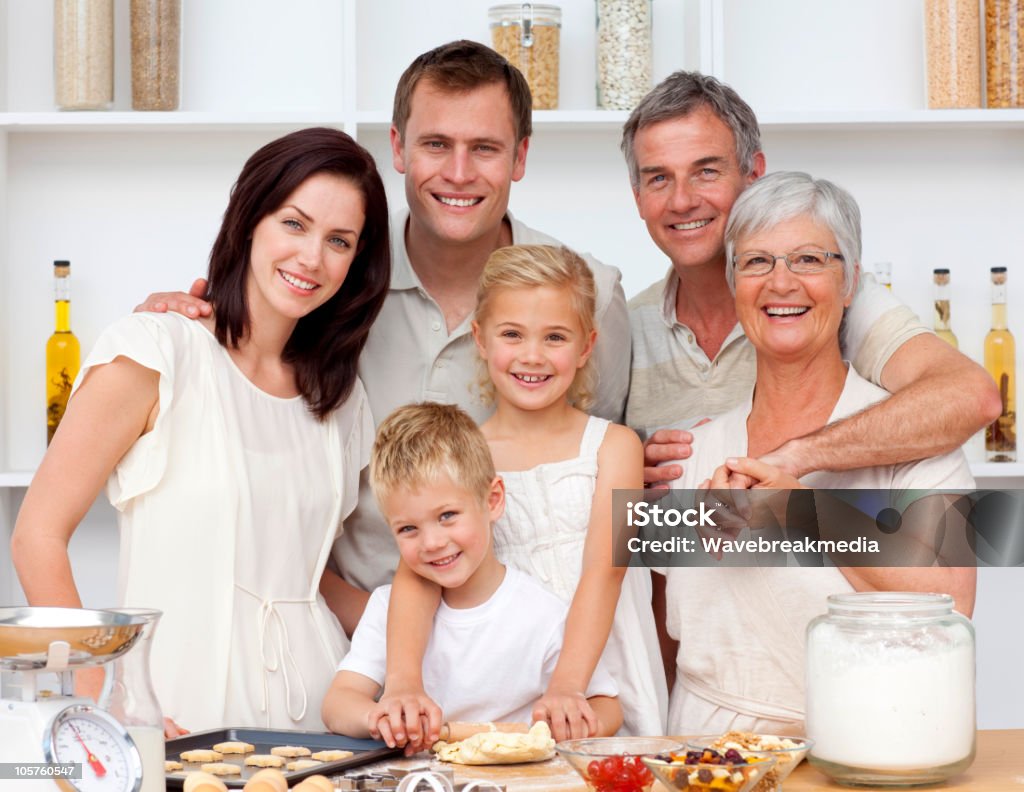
(498, 632)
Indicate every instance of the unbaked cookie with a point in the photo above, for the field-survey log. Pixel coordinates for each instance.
(332, 756)
(172, 767)
(264, 760)
(302, 764)
(234, 747)
(222, 768)
(290, 751)
(201, 755)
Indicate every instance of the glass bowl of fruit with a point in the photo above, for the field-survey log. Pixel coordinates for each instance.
(788, 752)
(710, 770)
(615, 764)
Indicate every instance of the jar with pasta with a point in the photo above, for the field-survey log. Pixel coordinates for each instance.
(623, 52)
(1004, 52)
(83, 54)
(528, 36)
(953, 40)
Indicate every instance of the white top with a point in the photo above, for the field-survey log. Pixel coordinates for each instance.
(228, 510)
(410, 356)
(488, 663)
(741, 630)
(543, 531)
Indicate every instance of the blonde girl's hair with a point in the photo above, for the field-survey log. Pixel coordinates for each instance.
(529, 267)
(418, 442)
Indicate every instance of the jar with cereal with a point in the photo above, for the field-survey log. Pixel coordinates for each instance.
(1004, 52)
(953, 40)
(623, 52)
(156, 53)
(890, 689)
(528, 36)
(83, 54)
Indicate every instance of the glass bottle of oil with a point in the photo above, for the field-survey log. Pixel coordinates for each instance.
(1001, 434)
(941, 320)
(62, 351)
(883, 273)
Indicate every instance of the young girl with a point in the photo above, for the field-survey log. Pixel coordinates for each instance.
(231, 446)
(534, 328)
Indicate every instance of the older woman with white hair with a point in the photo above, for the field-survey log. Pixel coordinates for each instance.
(793, 247)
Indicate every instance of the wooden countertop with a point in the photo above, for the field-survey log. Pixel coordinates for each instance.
(998, 767)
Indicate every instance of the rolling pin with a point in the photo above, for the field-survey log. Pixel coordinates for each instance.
(460, 730)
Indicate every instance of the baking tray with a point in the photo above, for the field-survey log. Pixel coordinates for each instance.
(365, 752)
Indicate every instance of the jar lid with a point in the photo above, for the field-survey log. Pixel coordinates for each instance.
(516, 13)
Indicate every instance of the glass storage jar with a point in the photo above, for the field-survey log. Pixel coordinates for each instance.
(156, 53)
(528, 36)
(890, 689)
(1004, 53)
(623, 52)
(953, 42)
(83, 54)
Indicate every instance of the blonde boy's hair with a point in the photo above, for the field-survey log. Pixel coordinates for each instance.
(418, 442)
(532, 266)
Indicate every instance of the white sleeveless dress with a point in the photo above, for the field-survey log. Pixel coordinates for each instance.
(542, 532)
(227, 512)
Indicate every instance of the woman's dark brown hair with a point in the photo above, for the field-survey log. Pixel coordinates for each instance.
(324, 348)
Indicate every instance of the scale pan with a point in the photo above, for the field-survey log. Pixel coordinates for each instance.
(94, 636)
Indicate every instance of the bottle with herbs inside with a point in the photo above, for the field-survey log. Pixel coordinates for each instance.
(156, 53)
(941, 319)
(62, 351)
(1000, 360)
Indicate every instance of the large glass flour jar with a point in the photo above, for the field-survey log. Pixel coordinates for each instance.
(890, 689)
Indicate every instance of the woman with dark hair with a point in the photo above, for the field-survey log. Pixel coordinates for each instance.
(231, 446)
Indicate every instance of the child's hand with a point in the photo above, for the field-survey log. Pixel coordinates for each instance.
(407, 718)
(568, 713)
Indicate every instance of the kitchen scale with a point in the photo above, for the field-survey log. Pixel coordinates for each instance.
(40, 726)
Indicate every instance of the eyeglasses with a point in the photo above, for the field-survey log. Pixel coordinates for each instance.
(756, 263)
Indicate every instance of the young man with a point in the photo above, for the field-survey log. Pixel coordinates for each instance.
(692, 146)
(432, 475)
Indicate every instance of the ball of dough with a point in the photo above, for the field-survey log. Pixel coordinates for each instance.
(322, 782)
(271, 776)
(203, 782)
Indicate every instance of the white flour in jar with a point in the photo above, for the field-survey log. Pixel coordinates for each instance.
(899, 705)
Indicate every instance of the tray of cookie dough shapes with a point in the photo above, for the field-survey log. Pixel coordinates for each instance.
(235, 755)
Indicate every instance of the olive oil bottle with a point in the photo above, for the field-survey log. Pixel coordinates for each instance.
(1001, 434)
(941, 320)
(62, 351)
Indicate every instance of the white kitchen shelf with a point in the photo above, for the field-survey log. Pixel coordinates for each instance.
(558, 120)
(16, 478)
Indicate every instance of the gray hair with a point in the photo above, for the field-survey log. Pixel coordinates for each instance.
(781, 196)
(681, 94)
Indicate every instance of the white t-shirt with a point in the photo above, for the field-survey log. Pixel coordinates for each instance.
(488, 663)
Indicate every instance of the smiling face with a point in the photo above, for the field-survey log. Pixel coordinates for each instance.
(533, 344)
(302, 251)
(443, 532)
(689, 179)
(787, 316)
(460, 157)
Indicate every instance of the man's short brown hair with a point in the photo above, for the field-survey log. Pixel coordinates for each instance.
(459, 67)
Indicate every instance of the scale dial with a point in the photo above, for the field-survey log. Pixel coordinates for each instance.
(91, 738)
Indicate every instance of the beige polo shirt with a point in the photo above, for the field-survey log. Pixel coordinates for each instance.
(410, 356)
(674, 383)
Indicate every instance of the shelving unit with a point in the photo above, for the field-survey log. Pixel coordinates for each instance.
(134, 199)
